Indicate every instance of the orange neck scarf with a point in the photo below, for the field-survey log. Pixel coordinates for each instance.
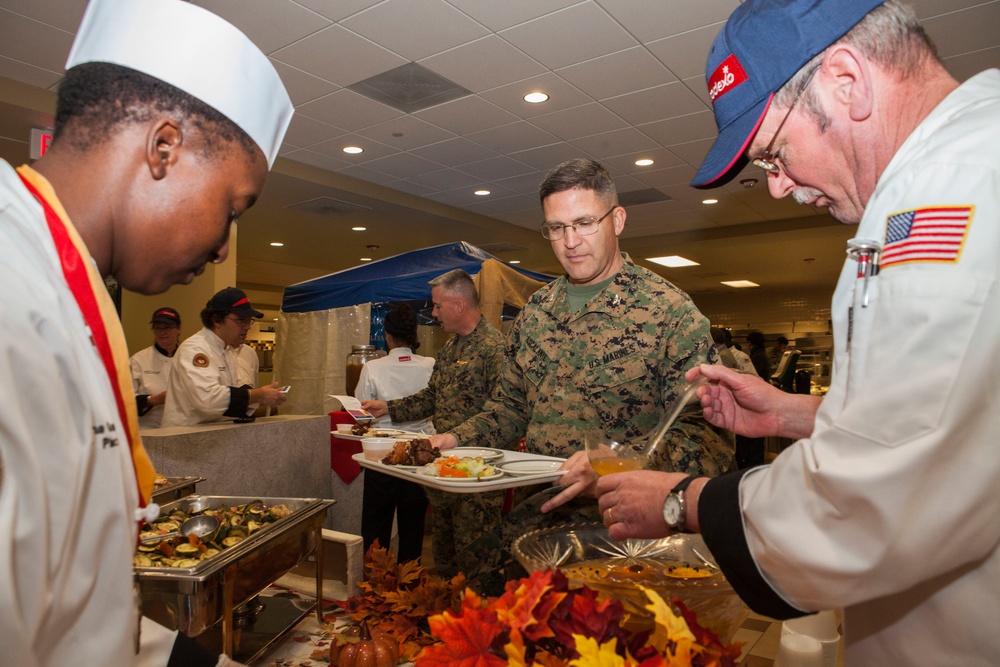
(99, 312)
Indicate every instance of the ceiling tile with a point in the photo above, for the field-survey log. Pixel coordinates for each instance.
(62, 14)
(692, 152)
(304, 131)
(626, 141)
(580, 121)
(496, 168)
(966, 30)
(348, 110)
(483, 64)
(29, 74)
(412, 188)
(658, 178)
(653, 104)
(467, 115)
(370, 175)
(685, 54)
(625, 162)
(315, 159)
(547, 157)
(20, 37)
(693, 126)
(455, 152)
(415, 29)
(499, 15)
(402, 165)
(445, 179)
(373, 150)
(270, 24)
(561, 94)
(302, 87)
(569, 36)
(511, 138)
(405, 132)
(602, 78)
(339, 55)
(341, 9)
(652, 20)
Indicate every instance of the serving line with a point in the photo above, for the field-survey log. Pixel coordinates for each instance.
(469, 486)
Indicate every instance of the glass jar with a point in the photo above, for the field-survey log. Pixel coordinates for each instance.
(359, 356)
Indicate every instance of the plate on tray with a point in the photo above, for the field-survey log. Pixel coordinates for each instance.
(429, 472)
(530, 467)
(485, 453)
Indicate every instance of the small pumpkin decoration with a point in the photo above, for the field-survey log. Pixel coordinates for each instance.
(371, 650)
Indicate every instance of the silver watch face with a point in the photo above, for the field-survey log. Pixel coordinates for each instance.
(672, 510)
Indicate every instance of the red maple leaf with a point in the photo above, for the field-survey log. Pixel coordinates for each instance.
(467, 637)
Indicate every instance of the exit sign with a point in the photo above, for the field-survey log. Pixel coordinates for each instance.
(40, 140)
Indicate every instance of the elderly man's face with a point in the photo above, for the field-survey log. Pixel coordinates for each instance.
(585, 259)
(447, 308)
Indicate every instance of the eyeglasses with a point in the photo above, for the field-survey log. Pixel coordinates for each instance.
(586, 226)
(767, 160)
(243, 321)
(163, 327)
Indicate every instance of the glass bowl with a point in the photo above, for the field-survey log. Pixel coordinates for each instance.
(678, 566)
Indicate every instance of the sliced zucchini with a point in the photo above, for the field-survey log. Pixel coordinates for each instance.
(232, 540)
(253, 525)
(187, 550)
(187, 562)
(142, 560)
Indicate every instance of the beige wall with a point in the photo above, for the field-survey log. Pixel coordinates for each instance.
(188, 300)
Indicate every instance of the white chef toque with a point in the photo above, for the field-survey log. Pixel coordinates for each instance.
(205, 56)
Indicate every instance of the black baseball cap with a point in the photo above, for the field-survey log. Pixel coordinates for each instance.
(166, 316)
(233, 300)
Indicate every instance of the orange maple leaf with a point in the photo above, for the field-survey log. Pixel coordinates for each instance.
(467, 637)
(527, 604)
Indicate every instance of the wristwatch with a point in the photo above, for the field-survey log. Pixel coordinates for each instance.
(674, 507)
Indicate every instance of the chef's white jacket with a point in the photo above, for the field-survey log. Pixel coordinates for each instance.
(150, 373)
(398, 374)
(891, 508)
(202, 386)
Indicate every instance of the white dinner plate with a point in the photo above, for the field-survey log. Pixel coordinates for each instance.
(530, 467)
(429, 471)
(485, 453)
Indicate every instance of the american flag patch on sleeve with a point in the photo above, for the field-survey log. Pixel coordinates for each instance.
(933, 234)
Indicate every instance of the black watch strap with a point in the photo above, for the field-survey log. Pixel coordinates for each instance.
(683, 484)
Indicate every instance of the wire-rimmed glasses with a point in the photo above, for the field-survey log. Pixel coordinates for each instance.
(553, 231)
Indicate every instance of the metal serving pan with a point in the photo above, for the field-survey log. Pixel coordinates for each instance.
(175, 489)
(195, 598)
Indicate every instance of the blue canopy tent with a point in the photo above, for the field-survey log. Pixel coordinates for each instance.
(321, 319)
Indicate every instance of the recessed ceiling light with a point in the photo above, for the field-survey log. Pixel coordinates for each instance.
(535, 98)
(366, 259)
(672, 261)
(740, 283)
(481, 193)
(709, 201)
(515, 261)
(644, 162)
(277, 244)
(353, 150)
(358, 229)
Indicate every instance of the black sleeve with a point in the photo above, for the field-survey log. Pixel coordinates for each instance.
(239, 401)
(142, 404)
(721, 523)
(188, 653)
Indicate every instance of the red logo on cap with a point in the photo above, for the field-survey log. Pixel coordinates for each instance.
(726, 76)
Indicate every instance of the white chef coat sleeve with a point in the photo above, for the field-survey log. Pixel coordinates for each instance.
(365, 391)
(209, 398)
(897, 484)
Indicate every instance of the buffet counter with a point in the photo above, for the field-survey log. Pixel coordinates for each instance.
(284, 456)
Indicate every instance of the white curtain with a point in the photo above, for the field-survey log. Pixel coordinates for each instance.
(310, 354)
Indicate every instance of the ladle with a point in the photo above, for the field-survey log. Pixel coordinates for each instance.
(200, 525)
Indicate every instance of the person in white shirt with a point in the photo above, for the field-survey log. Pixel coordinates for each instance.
(151, 367)
(203, 384)
(399, 374)
(247, 365)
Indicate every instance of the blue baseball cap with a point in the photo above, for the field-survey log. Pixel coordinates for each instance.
(763, 44)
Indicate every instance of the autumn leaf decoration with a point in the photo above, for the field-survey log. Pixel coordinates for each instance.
(539, 622)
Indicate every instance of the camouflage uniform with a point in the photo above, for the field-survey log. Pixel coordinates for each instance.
(465, 372)
(610, 368)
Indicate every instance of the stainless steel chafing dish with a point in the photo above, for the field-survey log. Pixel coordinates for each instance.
(194, 599)
(175, 488)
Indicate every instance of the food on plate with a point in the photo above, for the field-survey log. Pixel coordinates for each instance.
(412, 453)
(468, 466)
(361, 428)
(236, 523)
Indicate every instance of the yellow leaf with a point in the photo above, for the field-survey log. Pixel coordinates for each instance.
(670, 627)
(592, 655)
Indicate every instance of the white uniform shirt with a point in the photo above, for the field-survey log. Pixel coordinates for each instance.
(247, 365)
(400, 373)
(68, 491)
(199, 388)
(891, 509)
(150, 373)
(743, 363)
